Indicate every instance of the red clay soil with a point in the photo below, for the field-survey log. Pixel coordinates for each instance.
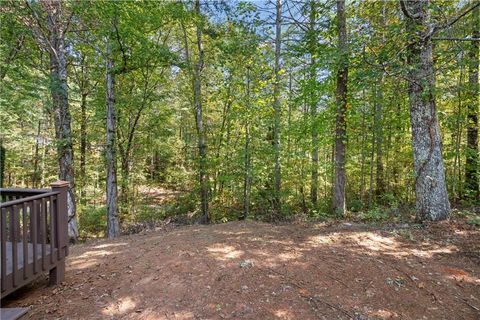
(256, 270)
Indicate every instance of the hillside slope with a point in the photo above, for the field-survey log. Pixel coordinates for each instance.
(255, 270)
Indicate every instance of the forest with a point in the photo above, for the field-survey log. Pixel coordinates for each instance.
(268, 110)
(228, 159)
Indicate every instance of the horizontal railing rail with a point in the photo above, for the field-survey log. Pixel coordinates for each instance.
(27, 198)
(9, 194)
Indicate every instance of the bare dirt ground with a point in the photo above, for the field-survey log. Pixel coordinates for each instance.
(252, 270)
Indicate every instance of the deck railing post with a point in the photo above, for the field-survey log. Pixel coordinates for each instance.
(61, 211)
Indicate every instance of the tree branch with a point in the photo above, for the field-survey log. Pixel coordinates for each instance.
(456, 39)
(450, 23)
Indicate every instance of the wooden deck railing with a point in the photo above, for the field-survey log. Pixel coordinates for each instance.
(33, 235)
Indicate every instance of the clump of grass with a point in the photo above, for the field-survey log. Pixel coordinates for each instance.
(474, 221)
(374, 215)
(407, 234)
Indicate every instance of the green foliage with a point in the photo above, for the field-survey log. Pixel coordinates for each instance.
(474, 221)
(375, 215)
(157, 138)
(93, 221)
(356, 205)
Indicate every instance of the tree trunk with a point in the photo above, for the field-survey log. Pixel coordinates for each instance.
(36, 158)
(363, 154)
(313, 104)
(113, 224)
(380, 189)
(2, 163)
(372, 156)
(457, 136)
(341, 103)
(59, 93)
(247, 180)
(472, 154)
(430, 187)
(197, 100)
(225, 124)
(277, 206)
(83, 148)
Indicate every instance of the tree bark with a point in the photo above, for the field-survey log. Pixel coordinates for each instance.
(341, 105)
(472, 154)
(83, 147)
(380, 179)
(197, 101)
(363, 155)
(457, 136)
(313, 104)
(430, 188)
(59, 93)
(113, 224)
(247, 180)
(2, 163)
(277, 205)
(36, 156)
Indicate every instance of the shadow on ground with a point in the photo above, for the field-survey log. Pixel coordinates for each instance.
(252, 270)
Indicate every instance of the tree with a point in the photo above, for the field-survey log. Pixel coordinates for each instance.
(54, 43)
(430, 188)
(341, 110)
(312, 46)
(277, 173)
(196, 77)
(472, 173)
(181, 76)
(113, 223)
(2, 163)
(379, 101)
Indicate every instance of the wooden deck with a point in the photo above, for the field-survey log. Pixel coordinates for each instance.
(30, 254)
(33, 235)
(13, 313)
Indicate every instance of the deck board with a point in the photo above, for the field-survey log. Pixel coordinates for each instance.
(20, 263)
(12, 313)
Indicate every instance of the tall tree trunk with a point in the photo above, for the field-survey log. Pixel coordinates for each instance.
(277, 205)
(59, 93)
(472, 174)
(289, 117)
(372, 156)
(363, 155)
(2, 163)
(430, 187)
(197, 100)
(36, 158)
(380, 180)
(125, 184)
(225, 124)
(341, 104)
(247, 180)
(113, 224)
(457, 136)
(83, 148)
(313, 103)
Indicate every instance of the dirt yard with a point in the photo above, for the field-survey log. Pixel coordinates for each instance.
(260, 271)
